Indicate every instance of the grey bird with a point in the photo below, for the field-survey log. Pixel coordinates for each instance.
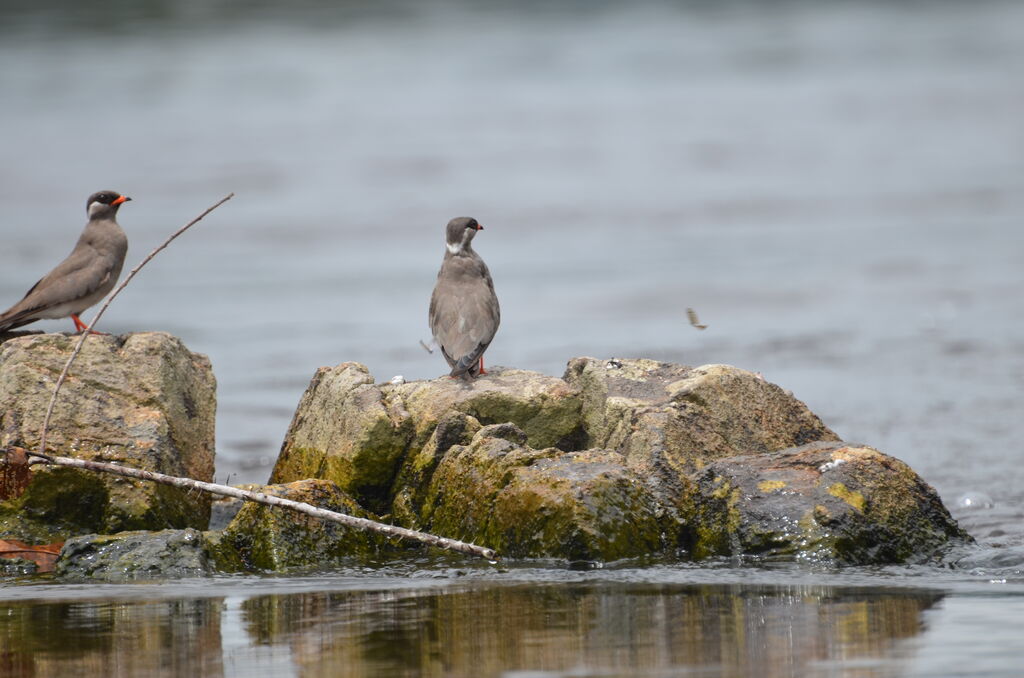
(85, 276)
(464, 312)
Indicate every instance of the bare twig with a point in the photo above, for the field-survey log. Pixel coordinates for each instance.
(271, 500)
(99, 314)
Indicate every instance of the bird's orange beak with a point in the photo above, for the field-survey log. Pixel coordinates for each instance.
(120, 199)
(479, 227)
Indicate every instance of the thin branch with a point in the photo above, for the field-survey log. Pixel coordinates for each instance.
(270, 500)
(99, 314)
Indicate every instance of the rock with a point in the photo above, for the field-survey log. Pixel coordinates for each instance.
(826, 502)
(274, 538)
(619, 459)
(356, 433)
(543, 503)
(139, 399)
(127, 556)
(683, 417)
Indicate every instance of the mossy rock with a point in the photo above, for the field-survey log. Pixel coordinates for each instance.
(825, 502)
(142, 400)
(273, 538)
(500, 493)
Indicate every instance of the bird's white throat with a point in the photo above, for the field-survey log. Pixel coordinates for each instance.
(455, 248)
(95, 207)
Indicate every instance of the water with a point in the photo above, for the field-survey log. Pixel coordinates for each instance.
(836, 188)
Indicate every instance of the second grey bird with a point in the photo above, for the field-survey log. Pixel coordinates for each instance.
(464, 312)
(85, 276)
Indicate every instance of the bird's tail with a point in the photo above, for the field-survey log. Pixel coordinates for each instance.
(468, 365)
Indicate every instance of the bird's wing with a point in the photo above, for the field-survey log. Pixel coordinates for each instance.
(465, 319)
(83, 272)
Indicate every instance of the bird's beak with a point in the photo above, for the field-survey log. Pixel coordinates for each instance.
(120, 199)
(479, 227)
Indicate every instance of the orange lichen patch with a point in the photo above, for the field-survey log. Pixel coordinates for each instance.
(44, 556)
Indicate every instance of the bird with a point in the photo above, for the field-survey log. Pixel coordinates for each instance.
(464, 312)
(85, 276)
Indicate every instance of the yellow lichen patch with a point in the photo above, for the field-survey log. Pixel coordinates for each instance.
(767, 486)
(723, 489)
(851, 497)
(855, 453)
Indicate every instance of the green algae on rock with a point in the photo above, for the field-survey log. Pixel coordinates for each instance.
(143, 400)
(827, 501)
(524, 502)
(619, 459)
(355, 433)
(268, 538)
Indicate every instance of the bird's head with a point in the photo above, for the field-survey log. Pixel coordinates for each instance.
(104, 204)
(460, 233)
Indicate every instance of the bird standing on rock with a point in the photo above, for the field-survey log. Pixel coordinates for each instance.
(464, 313)
(85, 276)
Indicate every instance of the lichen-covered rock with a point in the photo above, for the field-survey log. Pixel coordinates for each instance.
(356, 433)
(143, 400)
(826, 501)
(619, 459)
(274, 538)
(683, 417)
(524, 502)
(167, 554)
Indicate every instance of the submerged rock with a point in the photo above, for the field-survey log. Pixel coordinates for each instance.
(143, 400)
(618, 459)
(136, 555)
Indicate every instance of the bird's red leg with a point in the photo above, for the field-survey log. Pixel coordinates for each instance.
(482, 370)
(80, 326)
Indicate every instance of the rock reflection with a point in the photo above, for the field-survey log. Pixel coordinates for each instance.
(591, 629)
(630, 630)
(111, 638)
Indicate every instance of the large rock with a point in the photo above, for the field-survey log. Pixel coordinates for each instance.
(620, 458)
(357, 434)
(143, 400)
(824, 502)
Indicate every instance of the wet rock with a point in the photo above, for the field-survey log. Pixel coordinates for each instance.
(828, 501)
(620, 458)
(543, 503)
(274, 538)
(127, 556)
(139, 399)
(356, 433)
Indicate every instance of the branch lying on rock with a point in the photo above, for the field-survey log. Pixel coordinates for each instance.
(270, 500)
(16, 456)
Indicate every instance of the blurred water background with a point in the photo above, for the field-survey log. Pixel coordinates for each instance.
(837, 188)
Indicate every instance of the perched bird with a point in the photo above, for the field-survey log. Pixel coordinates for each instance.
(85, 276)
(464, 313)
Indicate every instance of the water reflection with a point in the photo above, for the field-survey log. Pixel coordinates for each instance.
(615, 629)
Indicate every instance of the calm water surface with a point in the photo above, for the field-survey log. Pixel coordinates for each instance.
(837, 188)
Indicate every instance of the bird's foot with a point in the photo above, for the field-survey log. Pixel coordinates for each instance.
(81, 327)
